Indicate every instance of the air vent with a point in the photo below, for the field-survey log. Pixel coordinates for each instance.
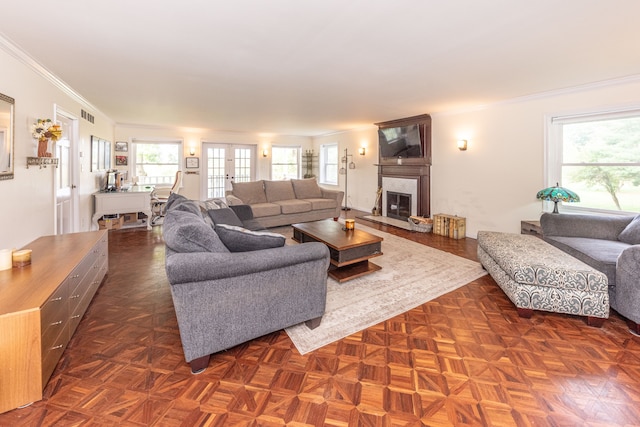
(88, 117)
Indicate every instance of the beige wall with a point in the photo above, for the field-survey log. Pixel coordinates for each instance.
(28, 205)
(363, 180)
(493, 184)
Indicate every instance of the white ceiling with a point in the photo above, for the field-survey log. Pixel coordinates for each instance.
(311, 67)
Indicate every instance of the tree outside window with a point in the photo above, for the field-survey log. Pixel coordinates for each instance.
(285, 163)
(156, 163)
(600, 161)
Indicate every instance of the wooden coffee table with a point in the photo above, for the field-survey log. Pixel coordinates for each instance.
(350, 250)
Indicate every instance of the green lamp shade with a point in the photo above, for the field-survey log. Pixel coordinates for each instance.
(556, 194)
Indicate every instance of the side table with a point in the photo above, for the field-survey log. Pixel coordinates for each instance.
(531, 227)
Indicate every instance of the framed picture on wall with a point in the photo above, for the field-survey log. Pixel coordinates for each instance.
(122, 146)
(121, 160)
(193, 162)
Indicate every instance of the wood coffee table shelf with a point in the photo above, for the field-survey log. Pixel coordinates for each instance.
(350, 250)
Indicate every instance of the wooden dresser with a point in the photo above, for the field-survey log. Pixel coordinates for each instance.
(41, 306)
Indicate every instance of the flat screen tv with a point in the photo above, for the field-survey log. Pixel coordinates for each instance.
(401, 141)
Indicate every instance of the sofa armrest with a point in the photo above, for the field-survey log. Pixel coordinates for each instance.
(627, 294)
(337, 195)
(233, 200)
(204, 266)
(606, 227)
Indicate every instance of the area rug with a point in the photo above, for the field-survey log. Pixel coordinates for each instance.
(411, 275)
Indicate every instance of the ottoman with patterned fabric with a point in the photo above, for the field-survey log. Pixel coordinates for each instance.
(538, 276)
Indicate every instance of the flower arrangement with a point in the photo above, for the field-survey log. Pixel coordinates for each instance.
(44, 130)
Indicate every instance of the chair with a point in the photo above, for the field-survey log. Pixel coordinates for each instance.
(159, 197)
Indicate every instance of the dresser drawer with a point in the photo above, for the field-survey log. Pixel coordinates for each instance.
(56, 310)
(51, 354)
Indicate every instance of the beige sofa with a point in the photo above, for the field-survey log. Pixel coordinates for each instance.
(276, 203)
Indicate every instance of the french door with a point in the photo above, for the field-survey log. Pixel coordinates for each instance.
(225, 164)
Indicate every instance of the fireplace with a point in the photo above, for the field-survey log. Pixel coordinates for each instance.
(399, 197)
(398, 205)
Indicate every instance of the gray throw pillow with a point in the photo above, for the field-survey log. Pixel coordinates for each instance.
(238, 239)
(631, 233)
(225, 216)
(187, 232)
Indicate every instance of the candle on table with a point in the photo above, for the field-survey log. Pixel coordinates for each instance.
(22, 258)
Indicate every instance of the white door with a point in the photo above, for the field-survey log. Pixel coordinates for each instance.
(66, 192)
(225, 164)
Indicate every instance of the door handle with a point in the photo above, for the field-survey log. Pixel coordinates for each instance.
(73, 186)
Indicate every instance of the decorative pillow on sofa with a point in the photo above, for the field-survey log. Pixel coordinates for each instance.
(224, 216)
(307, 188)
(250, 193)
(631, 233)
(238, 239)
(186, 232)
(279, 190)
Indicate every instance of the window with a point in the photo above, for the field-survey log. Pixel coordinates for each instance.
(329, 164)
(156, 162)
(598, 157)
(285, 163)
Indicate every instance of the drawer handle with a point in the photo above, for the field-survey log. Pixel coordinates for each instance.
(56, 299)
(76, 276)
(74, 296)
(75, 317)
(57, 347)
(59, 322)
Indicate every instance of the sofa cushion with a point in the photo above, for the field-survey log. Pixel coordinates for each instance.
(224, 216)
(631, 234)
(265, 209)
(238, 239)
(250, 192)
(294, 206)
(306, 188)
(279, 190)
(318, 204)
(187, 232)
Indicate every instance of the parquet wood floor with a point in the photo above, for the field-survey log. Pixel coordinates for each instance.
(464, 359)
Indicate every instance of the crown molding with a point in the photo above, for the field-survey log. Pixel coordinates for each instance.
(548, 94)
(17, 52)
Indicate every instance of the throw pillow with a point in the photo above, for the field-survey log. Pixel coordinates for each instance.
(225, 216)
(631, 233)
(251, 192)
(238, 239)
(186, 232)
(307, 188)
(279, 190)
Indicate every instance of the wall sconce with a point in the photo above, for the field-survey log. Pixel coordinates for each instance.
(362, 151)
(462, 144)
(192, 151)
(265, 152)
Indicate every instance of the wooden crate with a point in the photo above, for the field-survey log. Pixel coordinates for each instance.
(451, 226)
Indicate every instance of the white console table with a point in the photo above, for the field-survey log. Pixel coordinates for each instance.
(136, 199)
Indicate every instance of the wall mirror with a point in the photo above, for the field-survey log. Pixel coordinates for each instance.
(6, 136)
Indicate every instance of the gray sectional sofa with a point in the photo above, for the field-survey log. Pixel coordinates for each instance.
(276, 203)
(610, 244)
(230, 285)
